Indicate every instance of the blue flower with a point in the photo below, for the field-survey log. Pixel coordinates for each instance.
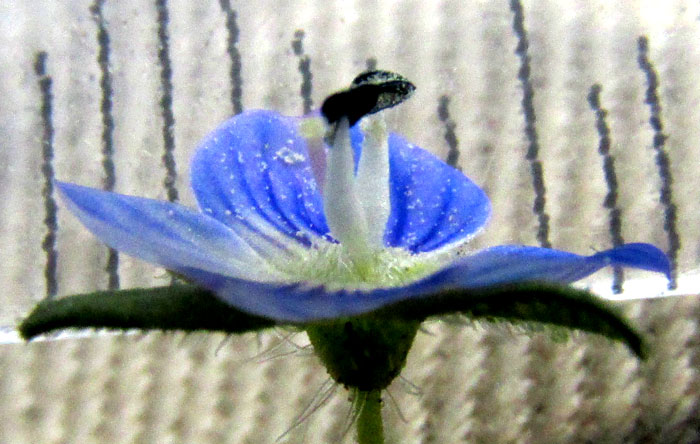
(295, 230)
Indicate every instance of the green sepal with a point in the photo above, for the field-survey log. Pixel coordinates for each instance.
(177, 307)
(190, 308)
(552, 305)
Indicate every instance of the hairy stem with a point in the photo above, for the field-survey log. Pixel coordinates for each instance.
(369, 420)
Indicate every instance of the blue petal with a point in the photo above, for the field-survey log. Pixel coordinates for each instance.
(432, 204)
(163, 233)
(495, 266)
(507, 264)
(295, 302)
(256, 165)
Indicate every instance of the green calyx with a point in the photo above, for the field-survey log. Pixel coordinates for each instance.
(385, 334)
(173, 308)
(365, 352)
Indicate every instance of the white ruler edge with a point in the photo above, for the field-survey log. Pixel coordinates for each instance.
(8, 335)
(645, 287)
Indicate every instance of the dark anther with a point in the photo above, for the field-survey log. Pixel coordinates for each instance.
(370, 92)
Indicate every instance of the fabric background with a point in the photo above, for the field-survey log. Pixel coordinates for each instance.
(134, 85)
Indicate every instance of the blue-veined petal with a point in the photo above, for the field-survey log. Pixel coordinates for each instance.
(166, 234)
(495, 266)
(256, 166)
(432, 204)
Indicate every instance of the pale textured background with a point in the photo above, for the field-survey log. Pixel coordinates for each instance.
(478, 385)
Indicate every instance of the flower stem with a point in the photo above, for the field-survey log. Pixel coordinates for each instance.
(369, 421)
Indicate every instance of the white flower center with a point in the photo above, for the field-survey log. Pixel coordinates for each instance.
(357, 208)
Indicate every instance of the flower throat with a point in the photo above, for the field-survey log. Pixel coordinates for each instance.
(356, 201)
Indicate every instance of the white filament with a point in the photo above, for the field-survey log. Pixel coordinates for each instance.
(373, 178)
(341, 202)
(357, 207)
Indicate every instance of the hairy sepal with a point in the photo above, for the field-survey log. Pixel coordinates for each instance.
(172, 308)
(550, 305)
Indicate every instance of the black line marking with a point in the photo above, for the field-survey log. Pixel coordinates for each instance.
(304, 69)
(109, 179)
(47, 192)
(530, 129)
(235, 56)
(371, 64)
(450, 135)
(615, 216)
(166, 101)
(662, 160)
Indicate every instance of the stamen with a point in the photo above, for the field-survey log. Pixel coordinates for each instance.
(373, 178)
(341, 204)
(357, 208)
